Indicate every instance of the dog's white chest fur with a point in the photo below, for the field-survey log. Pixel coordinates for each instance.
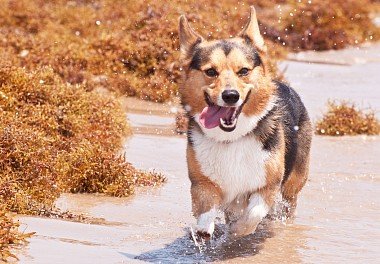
(237, 167)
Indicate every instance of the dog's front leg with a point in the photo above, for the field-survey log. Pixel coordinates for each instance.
(258, 207)
(206, 199)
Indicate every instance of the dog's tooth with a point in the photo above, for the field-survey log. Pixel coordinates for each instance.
(229, 125)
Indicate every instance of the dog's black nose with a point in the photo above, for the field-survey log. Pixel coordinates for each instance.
(230, 96)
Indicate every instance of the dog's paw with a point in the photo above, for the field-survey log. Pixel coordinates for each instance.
(202, 235)
(199, 236)
(239, 229)
(236, 231)
(205, 225)
(205, 232)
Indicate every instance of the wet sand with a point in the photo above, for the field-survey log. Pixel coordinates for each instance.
(337, 217)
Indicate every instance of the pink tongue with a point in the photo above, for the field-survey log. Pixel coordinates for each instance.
(210, 116)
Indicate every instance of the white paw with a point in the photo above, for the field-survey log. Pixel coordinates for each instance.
(257, 209)
(205, 231)
(205, 224)
(241, 228)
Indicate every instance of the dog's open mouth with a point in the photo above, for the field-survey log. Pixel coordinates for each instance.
(226, 117)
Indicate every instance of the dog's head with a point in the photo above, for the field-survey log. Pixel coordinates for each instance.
(224, 79)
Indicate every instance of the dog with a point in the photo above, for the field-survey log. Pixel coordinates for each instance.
(249, 137)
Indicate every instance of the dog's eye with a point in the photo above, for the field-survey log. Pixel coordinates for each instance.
(211, 72)
(243, 72)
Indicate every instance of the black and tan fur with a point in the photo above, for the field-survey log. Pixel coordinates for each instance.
(280, 132)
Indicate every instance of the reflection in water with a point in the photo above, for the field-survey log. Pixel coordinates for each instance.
(183, 249)
(224, 248)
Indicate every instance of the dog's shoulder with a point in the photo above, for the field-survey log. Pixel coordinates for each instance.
(290, 104)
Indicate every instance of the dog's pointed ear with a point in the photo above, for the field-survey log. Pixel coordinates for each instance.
(187, 36)
(252, 31)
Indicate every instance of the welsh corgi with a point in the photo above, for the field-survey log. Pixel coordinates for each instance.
(249, 136)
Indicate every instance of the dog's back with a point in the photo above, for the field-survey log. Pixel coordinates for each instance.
(291, 113)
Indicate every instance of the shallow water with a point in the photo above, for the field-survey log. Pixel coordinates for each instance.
(338, 215)
(152, 125)
(318, 77)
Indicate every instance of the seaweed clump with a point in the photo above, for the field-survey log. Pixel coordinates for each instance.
(126, 46)
(9, 235)
(324, 25)
(57, 137)
(181, 122)
(132, 46)
(346, 119)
